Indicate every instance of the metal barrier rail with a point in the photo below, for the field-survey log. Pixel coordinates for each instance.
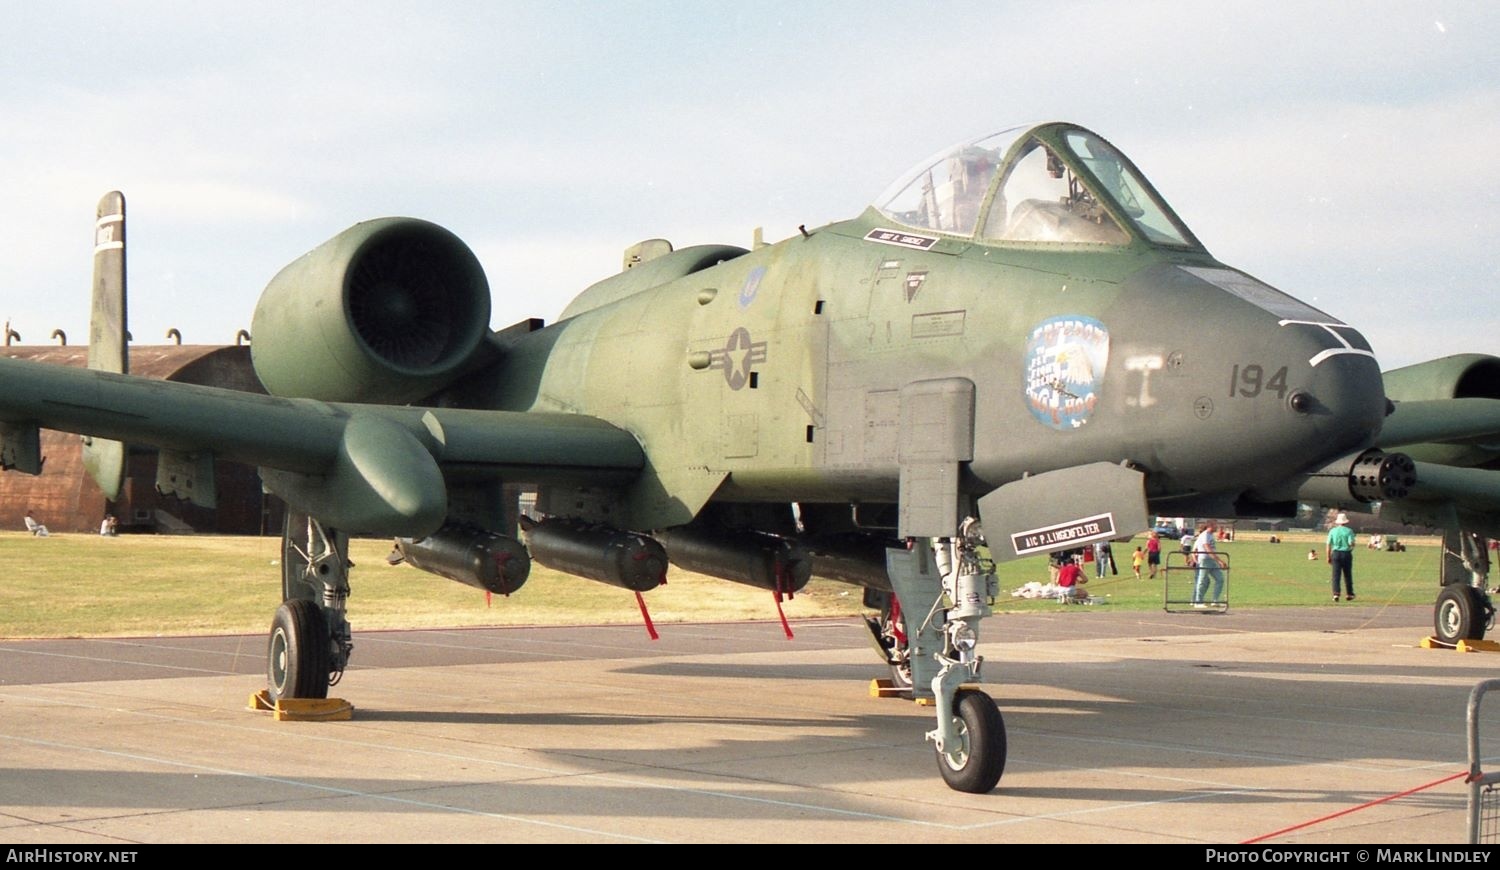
(1179, 585)
(1484, 798)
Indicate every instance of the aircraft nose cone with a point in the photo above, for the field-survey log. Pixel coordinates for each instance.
(1257, 386)
(1326, 398)
(1344, 400)
(1275, 402)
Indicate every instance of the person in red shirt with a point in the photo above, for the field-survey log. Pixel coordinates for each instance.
(1153, 552)
(1070, 579)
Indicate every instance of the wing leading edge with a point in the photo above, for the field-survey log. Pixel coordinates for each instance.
(373, 468)
(1455, 442)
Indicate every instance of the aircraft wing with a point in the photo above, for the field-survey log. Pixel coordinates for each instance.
(1432, 422)
(1452, 441)
(372, 468)
(1475, 488)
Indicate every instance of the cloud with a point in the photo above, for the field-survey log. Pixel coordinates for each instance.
(1333, 150)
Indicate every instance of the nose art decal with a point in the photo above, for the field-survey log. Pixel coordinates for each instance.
(1065, 362)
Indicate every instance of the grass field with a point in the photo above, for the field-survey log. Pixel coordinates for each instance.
(85, 585)
(1261, 574)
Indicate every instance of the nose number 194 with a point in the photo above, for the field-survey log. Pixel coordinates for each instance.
(1249, 381)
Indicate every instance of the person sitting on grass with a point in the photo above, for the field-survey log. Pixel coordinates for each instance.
(35, 527)
(1070, 580)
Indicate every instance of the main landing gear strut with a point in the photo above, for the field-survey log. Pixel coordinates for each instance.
(950, 584)
(1463, 610)
(310, 639)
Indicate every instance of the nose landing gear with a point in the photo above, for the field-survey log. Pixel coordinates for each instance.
(950, 583)
(974, 761)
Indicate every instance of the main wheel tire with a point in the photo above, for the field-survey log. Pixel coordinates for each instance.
(1460, 614)
(901, 676)
(975, 766)
(888, 632)
(297, 655)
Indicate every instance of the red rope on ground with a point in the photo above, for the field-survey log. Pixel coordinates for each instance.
(1366, 805)
(650, 629)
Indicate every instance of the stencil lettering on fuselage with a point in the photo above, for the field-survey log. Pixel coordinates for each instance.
(1080, 531)
(901, 238)
(914, 282)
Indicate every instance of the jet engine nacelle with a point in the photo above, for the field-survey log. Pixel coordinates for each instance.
(484, 560)
(388, 311)
(1462, 376)
(1430, 385)
(742, 557)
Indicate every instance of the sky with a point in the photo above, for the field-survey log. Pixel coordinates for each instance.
(1342, 152)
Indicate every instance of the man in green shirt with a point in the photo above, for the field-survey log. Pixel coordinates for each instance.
(1341, 555)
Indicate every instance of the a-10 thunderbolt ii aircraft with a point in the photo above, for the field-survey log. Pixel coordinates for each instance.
(1020, 348)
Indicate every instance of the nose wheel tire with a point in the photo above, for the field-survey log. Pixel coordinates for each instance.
(297, 656)
(977, 762)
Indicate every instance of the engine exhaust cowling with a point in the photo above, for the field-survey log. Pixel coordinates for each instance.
(388, 311)
(1462, 376)
(1453, 389)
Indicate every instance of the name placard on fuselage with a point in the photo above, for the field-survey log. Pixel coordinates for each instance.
(1080, 531)
(899, 237)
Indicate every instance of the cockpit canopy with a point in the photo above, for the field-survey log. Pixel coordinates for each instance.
(1044, 183)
